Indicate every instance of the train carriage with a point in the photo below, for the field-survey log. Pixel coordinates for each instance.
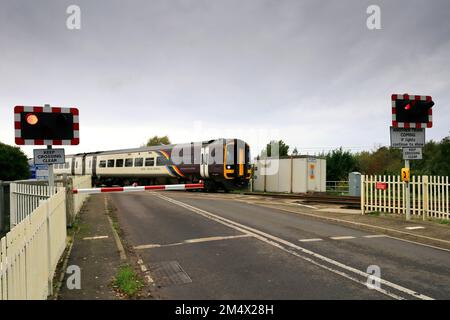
(222, 164)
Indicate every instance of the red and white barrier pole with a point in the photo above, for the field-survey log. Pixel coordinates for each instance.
(187, 186)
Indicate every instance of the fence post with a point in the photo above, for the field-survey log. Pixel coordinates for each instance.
(49, 251)
(70, 206)
(425, 196)
(2, 208)
(363, 181)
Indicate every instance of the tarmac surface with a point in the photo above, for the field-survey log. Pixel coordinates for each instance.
(226, 246)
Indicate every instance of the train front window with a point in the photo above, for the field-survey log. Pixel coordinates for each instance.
(138, 162)
(230, 154)
(128, 162)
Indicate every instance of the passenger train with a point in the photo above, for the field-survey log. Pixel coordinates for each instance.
(222, 164)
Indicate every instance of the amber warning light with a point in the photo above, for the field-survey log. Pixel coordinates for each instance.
(32, 119)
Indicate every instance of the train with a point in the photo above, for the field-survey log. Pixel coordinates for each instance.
(221, 164)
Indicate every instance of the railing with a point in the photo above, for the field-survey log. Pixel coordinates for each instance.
(337, 187)
(429, 195)
(30, 252)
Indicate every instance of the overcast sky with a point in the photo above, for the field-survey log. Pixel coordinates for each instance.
(309, 72)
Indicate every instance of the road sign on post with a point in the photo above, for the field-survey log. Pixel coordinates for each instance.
(46, 126)
(412, 111)
(412, 153)
(49, 156)
(407, 137)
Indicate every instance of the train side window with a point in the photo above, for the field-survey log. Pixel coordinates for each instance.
(90, 163)
(66, 165)
(102, 164)
(138, 162)
(110, 163)
(149, 162)
(119, 163)
(161, 161)
(128, 162)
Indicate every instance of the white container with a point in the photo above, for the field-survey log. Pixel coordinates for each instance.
(292, 174)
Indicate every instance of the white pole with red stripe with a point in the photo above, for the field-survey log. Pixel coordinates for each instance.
(188, 186)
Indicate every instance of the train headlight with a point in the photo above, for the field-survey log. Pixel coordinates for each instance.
(228, 167)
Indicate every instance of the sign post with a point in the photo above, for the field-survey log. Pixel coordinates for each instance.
(411, 114)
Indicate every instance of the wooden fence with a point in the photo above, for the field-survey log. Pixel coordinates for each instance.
(429, 195)
(30, 252)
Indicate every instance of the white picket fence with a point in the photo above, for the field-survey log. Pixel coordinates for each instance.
(30, 252)
(429, 195)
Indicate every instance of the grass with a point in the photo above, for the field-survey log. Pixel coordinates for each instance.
(443, 221)
(374, 213)
(127, 281)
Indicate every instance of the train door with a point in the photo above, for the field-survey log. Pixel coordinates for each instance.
(204, 161)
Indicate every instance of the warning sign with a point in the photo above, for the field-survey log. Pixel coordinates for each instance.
(49, 156)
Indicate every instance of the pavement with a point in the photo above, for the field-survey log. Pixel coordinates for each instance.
(193, 245)
(226, 246)
(95, 252)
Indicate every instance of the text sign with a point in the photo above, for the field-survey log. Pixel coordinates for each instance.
(407, 137)
(412, 153)
(41, 172)
(49, 156)
(381, 185)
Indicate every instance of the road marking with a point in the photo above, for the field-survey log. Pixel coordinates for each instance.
(198, 240)
(145, 270)
(310, 240)
(375, 236)
(414, 228)
(95, 238)
(307, 206)
(342, 238)
(278, 242)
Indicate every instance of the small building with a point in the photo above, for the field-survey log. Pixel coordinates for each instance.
(290, 174)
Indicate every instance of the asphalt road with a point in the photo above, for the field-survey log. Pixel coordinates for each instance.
(199, 246)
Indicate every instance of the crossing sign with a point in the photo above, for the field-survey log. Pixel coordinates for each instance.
(46, 125)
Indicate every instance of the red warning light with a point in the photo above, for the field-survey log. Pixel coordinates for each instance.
(408, 107)
(32, 118)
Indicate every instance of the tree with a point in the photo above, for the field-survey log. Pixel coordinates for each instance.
(157, 141)
(283, 149)
(13, 163)
(339, 164)
(295, 152)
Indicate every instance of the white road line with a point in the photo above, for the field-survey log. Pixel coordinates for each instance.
(276, 242)
(198, 240)
(375, 236)
(414, 228)
(342, 238)
(95, 238)
(307, 206)
(310, 240)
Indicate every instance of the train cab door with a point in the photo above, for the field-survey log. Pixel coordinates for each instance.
(204, 160)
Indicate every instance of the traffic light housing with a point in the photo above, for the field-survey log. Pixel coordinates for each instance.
(46, 126)
(411, 111)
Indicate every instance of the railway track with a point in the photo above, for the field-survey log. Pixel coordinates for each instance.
(347, 201)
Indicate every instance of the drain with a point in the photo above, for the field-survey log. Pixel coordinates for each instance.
(168, 273)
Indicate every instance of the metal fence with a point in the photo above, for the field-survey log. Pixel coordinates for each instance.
(30, 252)
(337, 187)
(429, 195)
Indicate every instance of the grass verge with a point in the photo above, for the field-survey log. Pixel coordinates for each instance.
(127, 281)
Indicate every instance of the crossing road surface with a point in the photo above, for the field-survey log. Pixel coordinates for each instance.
(202, 246)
